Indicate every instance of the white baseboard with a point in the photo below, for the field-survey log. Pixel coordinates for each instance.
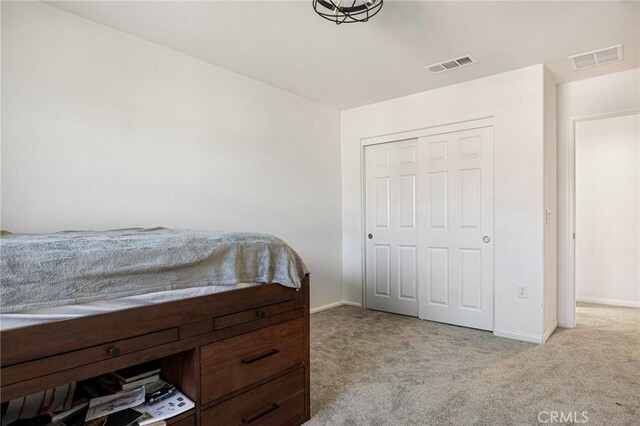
(518, 336)
(325, 307)
(612, 302)
(549, 332)
(335, 305)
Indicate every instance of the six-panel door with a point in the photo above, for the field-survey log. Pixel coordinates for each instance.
(392, 238)
(456, 228)
(429, 211)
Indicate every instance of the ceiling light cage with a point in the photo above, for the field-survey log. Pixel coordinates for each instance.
(347, 11)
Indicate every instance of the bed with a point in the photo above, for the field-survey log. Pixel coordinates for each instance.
(226, 316)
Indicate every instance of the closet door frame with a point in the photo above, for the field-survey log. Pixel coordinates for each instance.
(470, 124)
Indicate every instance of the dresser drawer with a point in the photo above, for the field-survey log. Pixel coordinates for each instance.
(182, 420)
(41, 367)
(277, 402)
(235, 363)
(253, 314)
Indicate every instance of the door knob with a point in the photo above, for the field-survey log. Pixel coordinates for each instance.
(486, 239)
(370, 236)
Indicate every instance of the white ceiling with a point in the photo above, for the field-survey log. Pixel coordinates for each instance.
(285, 44)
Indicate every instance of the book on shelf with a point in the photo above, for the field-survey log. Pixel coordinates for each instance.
(125, 417)
(141, 382)
(150, 404)
(78, 414)
(72, 417)
(106, 405)
(137, 372)
(109, 383)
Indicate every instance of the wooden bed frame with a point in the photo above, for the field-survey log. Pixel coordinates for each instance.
(242, 355)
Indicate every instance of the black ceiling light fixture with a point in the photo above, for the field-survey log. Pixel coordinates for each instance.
(347, 11)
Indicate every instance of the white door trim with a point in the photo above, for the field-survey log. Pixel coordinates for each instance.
(568, 240)
(474, 123)
(428, 131)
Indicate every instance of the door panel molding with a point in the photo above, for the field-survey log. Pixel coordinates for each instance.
(469, 218)
(437, 189)
(391, 188)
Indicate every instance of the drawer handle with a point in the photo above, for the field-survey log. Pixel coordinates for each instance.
(113, 351)
(261, 314)
(259, 357)
(255, 417)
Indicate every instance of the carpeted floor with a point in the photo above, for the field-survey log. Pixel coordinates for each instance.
(373, 368)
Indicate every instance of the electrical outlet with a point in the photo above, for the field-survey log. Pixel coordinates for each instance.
(523, 291)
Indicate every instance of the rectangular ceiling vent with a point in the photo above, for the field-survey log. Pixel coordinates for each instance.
(597, 57)
(451, 64)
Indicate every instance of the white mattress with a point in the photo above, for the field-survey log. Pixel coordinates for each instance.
(58, 313)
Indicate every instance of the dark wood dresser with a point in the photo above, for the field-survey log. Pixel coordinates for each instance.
(242, 356)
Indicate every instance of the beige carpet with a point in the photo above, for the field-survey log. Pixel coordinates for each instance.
(373, 368)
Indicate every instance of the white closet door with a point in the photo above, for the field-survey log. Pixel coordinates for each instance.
(456, 228)
(391, 174)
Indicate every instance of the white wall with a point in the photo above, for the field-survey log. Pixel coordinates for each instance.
(584, 98)
(516, 101)
(105, 130)
(608, 210)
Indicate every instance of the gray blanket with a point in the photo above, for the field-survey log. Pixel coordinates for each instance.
(74, 267)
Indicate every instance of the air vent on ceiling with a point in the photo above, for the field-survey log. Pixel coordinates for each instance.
(597, 57)
(450, 64)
